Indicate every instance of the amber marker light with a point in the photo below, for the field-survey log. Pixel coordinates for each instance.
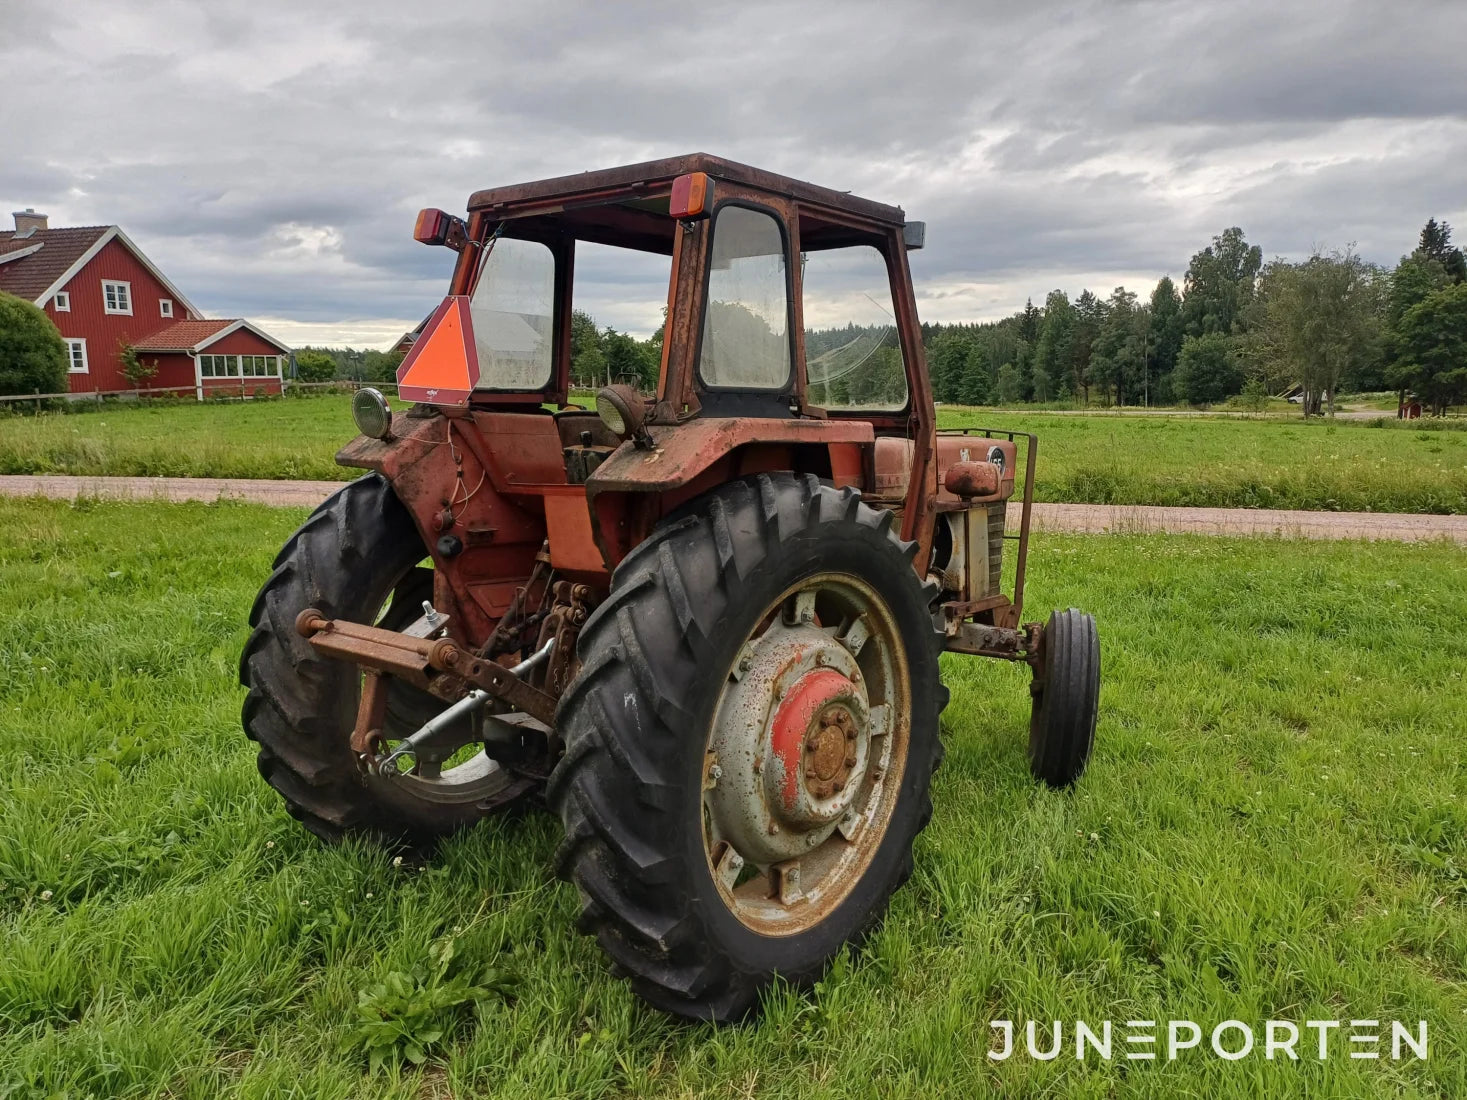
(431, 227)
(692, 196)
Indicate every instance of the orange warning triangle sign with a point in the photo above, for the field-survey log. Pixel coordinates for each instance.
(443, 366)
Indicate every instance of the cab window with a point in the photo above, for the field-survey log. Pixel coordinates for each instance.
(853, 359)
(746, 338)
(513, 308)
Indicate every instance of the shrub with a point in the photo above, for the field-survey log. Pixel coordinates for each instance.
(314, 366)
(134, 369)
(33, 357)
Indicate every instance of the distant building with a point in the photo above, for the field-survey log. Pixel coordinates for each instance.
(408, 339)
(101, 292)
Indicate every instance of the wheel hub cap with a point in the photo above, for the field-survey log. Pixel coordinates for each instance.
(818, 737)
(792, 740)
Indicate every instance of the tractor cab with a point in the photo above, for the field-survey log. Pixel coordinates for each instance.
(791, 342)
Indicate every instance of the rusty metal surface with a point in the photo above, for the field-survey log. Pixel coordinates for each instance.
(417, 660)
(680, 453)
(369, 646)
(1009, 614)
(973, 480)
(371, 712)
(805, 759)
(655, 177)
(1004, 643)
(497, 680)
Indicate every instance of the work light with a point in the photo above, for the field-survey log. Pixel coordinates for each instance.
(369, 409)
(621, 409)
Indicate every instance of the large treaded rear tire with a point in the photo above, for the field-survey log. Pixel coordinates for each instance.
(346, 560)
(655, 658)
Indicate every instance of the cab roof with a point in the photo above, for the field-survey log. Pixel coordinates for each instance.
(653, 176)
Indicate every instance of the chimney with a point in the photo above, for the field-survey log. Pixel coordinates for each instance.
(27, 221)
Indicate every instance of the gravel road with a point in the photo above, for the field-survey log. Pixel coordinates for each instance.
(1077, 518)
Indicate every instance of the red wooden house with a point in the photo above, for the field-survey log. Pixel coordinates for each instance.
(102, 293)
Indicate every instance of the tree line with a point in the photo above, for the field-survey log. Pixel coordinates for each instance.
(1237, 325)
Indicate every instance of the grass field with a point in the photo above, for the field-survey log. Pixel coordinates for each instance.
(1273, 827)
(1206, 461)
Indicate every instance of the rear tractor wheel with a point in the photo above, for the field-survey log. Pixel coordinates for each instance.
(749, 743)
(355, 558)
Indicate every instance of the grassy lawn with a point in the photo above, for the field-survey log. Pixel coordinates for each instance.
(1347, 466)
(1273, 827)
(1210, 461)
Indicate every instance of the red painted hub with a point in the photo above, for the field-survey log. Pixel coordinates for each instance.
(804, 723)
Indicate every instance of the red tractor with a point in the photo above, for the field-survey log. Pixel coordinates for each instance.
(704, 623)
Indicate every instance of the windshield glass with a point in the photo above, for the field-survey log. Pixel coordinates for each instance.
(513, 310)
(745, 326)
(853, 359)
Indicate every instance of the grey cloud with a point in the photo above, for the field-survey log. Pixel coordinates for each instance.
(1096, 137)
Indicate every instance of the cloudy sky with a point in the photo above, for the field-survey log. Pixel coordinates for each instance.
(270, 156)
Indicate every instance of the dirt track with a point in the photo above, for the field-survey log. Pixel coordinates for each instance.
(1080, 518)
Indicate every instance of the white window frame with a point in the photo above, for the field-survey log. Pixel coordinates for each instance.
(62, 302)
(72, 346)
(165, 307)
(126, 293)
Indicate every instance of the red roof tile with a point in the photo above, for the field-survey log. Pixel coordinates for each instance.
(182, 335)
(30, 276)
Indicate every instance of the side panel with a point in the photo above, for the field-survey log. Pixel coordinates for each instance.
(636, 486)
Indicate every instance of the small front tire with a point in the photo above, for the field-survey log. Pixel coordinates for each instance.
(1066, 692)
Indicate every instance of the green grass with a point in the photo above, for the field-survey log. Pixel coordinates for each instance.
(1102, 459)
(1273, 826)
(1348, 466)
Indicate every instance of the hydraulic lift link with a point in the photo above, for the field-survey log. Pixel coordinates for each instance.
(417, 660)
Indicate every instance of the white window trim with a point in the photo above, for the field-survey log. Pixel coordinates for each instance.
(71, 346)
(165, 307)
(126, 289)
(61, 302)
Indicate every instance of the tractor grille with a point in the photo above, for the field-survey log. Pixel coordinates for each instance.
(996, 514)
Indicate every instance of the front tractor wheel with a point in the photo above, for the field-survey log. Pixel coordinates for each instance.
(749, 743)
(1066, 703)
(356, 559)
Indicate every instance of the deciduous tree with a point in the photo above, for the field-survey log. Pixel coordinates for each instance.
(1319, 319)
(1431, 345)
(1220, 283)
(1207, 369)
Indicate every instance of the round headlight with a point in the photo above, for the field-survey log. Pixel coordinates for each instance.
(610, 415)
(621, 409)
(369, 409)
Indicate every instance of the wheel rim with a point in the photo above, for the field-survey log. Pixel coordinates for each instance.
(804, 762)
(455, 777)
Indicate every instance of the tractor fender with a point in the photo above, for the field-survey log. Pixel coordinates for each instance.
(638, 484)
